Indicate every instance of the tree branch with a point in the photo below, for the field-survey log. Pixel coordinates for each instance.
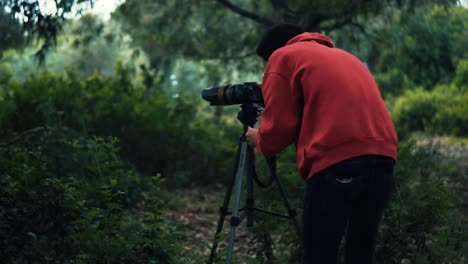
(336, 25)
(361, 28)
(245, 13)
(25, 134)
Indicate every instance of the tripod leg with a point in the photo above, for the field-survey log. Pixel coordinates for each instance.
(291, 212)
(235, 220)
(250, 202)
(224, 209)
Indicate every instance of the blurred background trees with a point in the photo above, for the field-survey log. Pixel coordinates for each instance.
(101, 121)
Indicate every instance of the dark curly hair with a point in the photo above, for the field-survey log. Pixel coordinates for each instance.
(277, 37)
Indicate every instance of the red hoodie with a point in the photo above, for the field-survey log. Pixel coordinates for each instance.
(326, 102)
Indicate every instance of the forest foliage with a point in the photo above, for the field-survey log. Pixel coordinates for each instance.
(95, 141)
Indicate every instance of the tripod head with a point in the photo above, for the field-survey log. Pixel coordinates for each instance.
(248, 117)
(249, 114)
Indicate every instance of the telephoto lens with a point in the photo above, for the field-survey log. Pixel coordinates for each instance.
(231, 94)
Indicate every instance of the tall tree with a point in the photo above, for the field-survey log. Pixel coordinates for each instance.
(11, 36)
(204, 20)
(226, 31)
(223, 28)
(39, 24)
(422, 49)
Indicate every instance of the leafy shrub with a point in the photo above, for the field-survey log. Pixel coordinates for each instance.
(414, 111)
(461, 77)
(443, 111)
(424, 223)
(65, 198)
(152, 127)
(68, 196)
(391, 82)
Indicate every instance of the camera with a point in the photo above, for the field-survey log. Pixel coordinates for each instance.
(230, 94)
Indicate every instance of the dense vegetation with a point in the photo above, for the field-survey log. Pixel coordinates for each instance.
(96, 141)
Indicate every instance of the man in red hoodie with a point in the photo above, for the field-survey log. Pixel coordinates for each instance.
(326, 102)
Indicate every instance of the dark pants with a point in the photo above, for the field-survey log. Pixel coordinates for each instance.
(351, 194)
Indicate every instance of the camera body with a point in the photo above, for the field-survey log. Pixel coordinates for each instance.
(230, 94)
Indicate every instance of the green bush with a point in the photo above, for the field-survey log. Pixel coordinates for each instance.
(391, 82)
(414, 111)
(424, 223)
(157, 133)
(443, 111)
(71, 158)
(461, 77)
(65, 198)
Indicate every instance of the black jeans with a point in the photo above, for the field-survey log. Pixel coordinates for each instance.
(351, 194)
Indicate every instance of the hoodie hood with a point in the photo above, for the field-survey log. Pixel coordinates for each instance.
(312, 36)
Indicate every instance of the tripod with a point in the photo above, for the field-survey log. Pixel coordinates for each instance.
(244, 167)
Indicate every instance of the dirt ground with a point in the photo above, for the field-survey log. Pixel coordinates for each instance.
(198, 211)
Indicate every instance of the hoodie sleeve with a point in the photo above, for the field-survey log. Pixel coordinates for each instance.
(281, 116)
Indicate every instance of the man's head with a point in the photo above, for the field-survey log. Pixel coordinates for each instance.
(275, 38)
